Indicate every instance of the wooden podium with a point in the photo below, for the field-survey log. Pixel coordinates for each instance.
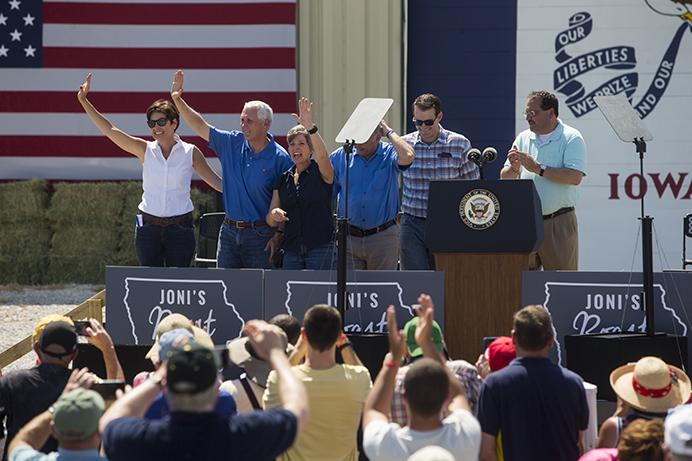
(481, 233)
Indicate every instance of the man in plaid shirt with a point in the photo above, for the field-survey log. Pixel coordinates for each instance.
(440, 154)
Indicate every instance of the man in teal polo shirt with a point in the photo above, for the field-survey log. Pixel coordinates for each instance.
(553, 155)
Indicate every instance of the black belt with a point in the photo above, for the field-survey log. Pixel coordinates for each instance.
(164, 222)
(358, 232)
(244, 224)
(558, 212)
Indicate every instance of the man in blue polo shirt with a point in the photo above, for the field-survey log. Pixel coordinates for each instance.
(373, 198)
(553, 155)
(251, 161)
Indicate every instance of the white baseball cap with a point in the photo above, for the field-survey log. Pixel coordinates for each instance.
(678, 432)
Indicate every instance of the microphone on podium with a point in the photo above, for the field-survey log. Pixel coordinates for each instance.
(489, 155)
(474, 155)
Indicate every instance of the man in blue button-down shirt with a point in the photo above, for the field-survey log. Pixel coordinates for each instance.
(373, 198)
(251, 161)
(553, 155)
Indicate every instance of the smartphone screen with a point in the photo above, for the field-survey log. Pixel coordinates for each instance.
(80, 327)
(222, 357)
(107, 388)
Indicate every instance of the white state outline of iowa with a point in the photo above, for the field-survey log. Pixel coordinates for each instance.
(146, 279)
(584, 284)
(400, 291)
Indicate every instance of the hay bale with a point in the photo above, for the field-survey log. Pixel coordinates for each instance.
(94, 204)
(132, 196)
(24, 248)
(25, 238)
(126, 255)
(84, 241)
(24, 269)
(76, 269)
(23, 201)
(204, 202)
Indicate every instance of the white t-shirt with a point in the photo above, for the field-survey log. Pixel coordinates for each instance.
(166, 182)
(460, 434)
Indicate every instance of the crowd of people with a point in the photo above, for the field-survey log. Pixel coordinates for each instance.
(304, 394)
(279, 203)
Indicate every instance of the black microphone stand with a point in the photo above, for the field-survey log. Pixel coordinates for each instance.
(647, 250)
(481, 164)
(341, 241)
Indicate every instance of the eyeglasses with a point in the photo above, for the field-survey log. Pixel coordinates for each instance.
(531, 113)
(424, 122)
(159, 121)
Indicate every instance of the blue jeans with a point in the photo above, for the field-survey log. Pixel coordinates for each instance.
(322, 257)
(169, 246)
(415, 255)
(243, 248)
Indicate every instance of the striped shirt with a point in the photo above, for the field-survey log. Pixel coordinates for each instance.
(444, 159)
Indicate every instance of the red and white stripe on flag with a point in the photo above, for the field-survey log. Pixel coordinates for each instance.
(231, 52)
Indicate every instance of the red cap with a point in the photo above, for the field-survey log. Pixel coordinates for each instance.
(500, 352)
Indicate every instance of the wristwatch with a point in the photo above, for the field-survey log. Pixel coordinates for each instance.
(542, 167)
(313, 130)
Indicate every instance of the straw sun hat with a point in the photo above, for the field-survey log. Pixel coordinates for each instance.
(651, 385)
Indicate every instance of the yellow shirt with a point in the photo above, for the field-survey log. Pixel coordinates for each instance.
(336, 398)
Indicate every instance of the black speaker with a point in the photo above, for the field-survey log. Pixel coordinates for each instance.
(131, 359)
(371, 349)
(594, 357)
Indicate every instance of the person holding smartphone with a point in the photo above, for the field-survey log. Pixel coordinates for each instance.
(164, 229)
(29, 392)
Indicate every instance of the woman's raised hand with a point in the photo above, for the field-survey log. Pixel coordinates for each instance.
(304, 115)
(177, 85)
(84, 88)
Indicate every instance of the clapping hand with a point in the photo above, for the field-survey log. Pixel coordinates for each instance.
(423, 333)
(514, 159)
(264, 337)
(397, 342)
(80, 377)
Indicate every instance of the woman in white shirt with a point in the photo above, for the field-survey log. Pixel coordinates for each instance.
(165, 233)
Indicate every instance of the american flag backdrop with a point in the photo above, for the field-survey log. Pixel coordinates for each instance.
(232, 51)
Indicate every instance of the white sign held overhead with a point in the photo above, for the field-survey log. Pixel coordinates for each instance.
(364, 120)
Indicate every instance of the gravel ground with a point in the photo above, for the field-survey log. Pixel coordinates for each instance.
(21, 307)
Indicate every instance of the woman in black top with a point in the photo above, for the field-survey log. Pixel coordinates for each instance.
(301, 203)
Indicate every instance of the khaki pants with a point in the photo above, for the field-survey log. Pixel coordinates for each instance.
(378, 251)
(560, 248)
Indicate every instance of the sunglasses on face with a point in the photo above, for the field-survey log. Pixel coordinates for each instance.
(159, 121)
(424, 122)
